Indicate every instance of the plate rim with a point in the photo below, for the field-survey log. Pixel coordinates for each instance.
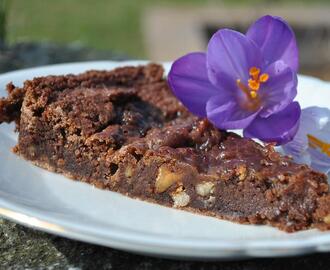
(250, 248)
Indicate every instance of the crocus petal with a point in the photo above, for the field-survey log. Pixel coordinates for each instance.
(314, 121)
(224, 113)
(280, 90)
(299, 145)
(190, 84)
(276, 40)
(280, 127)
(230, 55)
(319, 161)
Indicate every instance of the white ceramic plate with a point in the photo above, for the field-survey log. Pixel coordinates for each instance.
(52, 203)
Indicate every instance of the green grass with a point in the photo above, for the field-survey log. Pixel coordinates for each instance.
(102, 24)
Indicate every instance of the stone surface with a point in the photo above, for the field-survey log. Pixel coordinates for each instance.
(31, 54)
(25, 248)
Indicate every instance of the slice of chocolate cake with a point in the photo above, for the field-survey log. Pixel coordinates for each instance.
(123, 130)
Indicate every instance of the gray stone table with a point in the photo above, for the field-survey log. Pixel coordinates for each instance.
(25, 248)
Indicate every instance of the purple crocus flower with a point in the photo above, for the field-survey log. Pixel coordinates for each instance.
(244, 81)
(311, 145)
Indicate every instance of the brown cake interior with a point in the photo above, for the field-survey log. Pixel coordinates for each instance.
(124, 131)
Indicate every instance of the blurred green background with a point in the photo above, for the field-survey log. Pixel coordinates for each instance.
(101, 24)
(41, 32)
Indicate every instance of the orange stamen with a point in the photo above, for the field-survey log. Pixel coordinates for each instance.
(254, 72)
(317, 143)
(254, 85)
(264, 77)
(243, 87)
(253, 94)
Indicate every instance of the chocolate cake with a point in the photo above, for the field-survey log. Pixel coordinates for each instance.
(124, 131)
